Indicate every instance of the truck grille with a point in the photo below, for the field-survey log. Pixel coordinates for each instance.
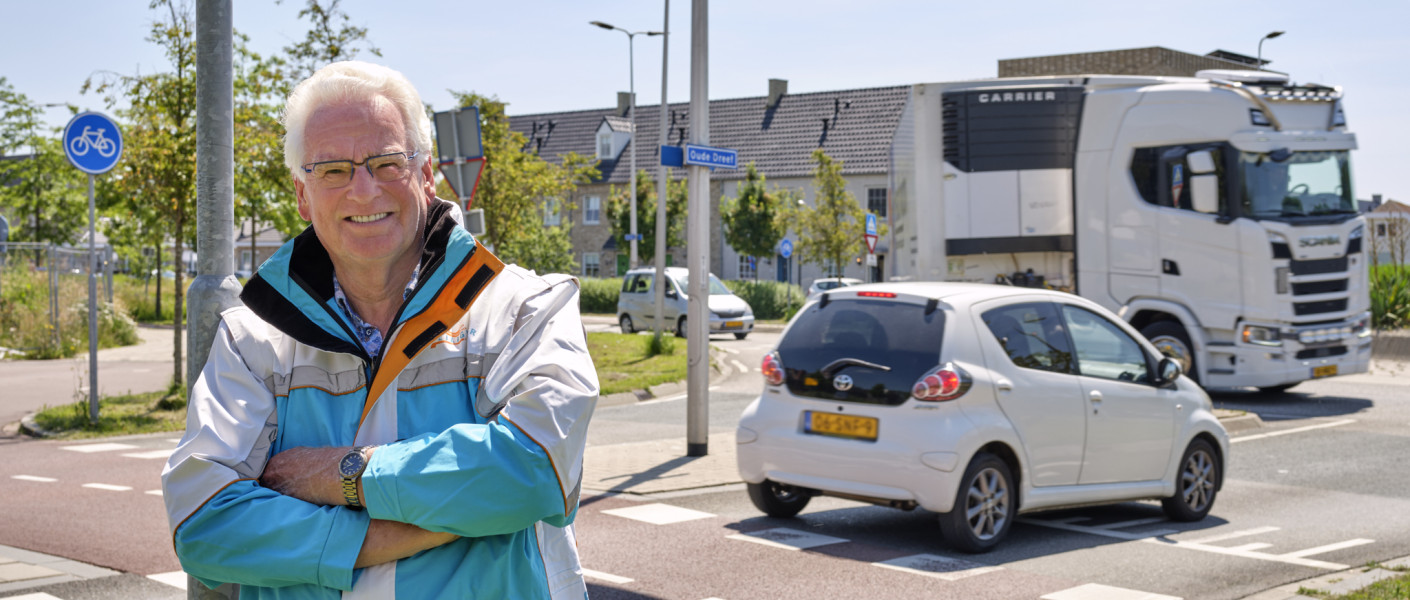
(1325, 306)
(1317, 267)
(1319, 287)
(1321, 352)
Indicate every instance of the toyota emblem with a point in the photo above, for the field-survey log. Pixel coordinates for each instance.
(842, 382)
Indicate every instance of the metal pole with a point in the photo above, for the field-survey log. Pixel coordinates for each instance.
(631, 114)
(92, 310)
(698, 243)
(215, 288)
(663, 182)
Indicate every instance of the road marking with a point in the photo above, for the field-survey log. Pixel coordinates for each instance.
(35, 596)
(729, 350)
(740, 366)
(939, 567)
(174, 579)
(1234, 534)
(104, 486)
(153, 492)
(33, 478)
(680, 396)
(1328, 548)
(1251, 547)
(788, 539)
(608, 577)
(1260, 436)
(1097, 591)
(105, 447)
(1292, 558)
(150, 454)
(658, 514)
(1133, 523)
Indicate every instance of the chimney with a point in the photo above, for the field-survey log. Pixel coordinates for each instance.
(1375, 201)
(777, 89)
(624, 103)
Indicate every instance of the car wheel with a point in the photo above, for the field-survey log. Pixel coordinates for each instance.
(985, 506)
(626, 323)
(1277, 389)
(776, 499)
(740, 336)
(1196, 483)
(1171, 339)
(680, 328)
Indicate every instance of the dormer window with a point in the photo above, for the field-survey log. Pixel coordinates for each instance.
(604, 145)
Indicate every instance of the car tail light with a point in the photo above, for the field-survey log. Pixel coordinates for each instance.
(942, 383)
(772, 369)
(876, 295)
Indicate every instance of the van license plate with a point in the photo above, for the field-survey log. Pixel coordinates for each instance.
(734, 324)
(1324, 371)
(847, 426)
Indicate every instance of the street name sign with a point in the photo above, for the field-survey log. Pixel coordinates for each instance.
(705, 156)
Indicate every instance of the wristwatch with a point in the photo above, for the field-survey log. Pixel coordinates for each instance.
(350, 468)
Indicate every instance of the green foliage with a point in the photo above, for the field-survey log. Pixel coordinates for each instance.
(25, 322)
(1390, 296)
(769, 299)
(516, 189)
(129, 414)
(832, 230)
(623, 364)
(599, 295)
(619, 214)
(756, 221)
(658, 344)
(46, 196)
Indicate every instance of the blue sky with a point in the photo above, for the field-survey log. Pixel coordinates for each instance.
(542, 55)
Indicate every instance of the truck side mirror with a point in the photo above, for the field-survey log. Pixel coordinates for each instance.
(1204, 193)
(1201, 162)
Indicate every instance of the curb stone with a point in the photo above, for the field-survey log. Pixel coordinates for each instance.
(1340, 583)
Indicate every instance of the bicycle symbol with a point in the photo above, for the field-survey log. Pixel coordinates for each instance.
(92, 140)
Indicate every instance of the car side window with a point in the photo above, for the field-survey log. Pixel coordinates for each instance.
(1032, 336)
(1103, 349)
(628, 284)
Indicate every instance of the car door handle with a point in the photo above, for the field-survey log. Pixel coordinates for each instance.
(1004, 385)
(1096, 398)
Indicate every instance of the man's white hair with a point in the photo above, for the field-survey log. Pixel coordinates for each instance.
(348, 82)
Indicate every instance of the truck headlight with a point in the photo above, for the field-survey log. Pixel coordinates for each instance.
(1262, 336)
(1362, 328)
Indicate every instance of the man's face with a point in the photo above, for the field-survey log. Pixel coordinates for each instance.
(366, 223)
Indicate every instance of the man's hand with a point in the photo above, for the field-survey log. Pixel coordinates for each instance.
(307, 473)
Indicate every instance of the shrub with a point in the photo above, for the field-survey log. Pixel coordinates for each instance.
(599, 295)
(1390, 296)
(769, 299)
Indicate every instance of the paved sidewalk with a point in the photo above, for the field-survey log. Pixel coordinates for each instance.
(21, 569)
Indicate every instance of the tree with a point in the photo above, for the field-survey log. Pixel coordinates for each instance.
(517, 188)
(331, 39)
(619, 215)
(155, 181)
(44, 191)
(755, 221)
(834, 227)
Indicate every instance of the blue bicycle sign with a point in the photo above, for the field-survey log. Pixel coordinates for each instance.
(93, 142)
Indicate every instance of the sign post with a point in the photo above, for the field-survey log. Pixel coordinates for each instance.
(461, 155)
(93, 143)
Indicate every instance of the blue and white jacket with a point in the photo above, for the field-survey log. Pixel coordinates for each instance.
(480, 402)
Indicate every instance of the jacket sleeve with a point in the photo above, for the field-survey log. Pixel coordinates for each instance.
(525, 464)
(226, 527)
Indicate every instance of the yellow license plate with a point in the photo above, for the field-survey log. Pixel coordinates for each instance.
(734, 324)
(848, 426)
(1324, 371)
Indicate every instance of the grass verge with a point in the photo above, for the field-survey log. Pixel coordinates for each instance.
(151, 412)
(1394, 588)
(626, 362)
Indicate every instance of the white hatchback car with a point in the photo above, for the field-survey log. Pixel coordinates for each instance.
(978, 402)
(830, 283)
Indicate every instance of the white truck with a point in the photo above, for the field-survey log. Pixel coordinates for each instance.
(1214, 213)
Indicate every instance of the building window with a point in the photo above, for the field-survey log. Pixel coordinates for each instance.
(551, 215)
(1380, 229)
(748, 267)
(592, 264)
(876, 202)
(245, 261)
(592, 210)
(604, 145)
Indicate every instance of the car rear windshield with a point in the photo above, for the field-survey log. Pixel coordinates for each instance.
(882, 346)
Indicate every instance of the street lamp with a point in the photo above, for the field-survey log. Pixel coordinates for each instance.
(631, 74)
(1270, 36)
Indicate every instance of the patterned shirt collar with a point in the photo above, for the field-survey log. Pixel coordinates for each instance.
(368, 334)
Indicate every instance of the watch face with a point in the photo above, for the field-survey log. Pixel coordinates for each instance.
(351, 464)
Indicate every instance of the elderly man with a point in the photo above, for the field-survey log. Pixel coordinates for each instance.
(394, 413)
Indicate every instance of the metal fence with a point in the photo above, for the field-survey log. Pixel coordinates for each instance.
(56, 277)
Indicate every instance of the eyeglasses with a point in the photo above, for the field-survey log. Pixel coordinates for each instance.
(383, 167)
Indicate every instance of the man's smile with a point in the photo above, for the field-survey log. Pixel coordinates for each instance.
(369, 218)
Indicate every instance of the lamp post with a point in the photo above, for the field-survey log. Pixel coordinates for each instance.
(1270, 36)
(631, 112)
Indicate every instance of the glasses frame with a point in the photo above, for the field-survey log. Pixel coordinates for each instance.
(365, 163)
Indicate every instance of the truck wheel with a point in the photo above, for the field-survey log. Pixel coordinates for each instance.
(1170, 338)
(1196, 483)
(776, 499)
(985, 506)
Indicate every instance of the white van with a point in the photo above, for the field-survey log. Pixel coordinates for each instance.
(636, 305)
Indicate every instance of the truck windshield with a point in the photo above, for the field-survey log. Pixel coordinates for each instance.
(1301, 184)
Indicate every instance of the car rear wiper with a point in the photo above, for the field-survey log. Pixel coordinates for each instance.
(839, 364)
